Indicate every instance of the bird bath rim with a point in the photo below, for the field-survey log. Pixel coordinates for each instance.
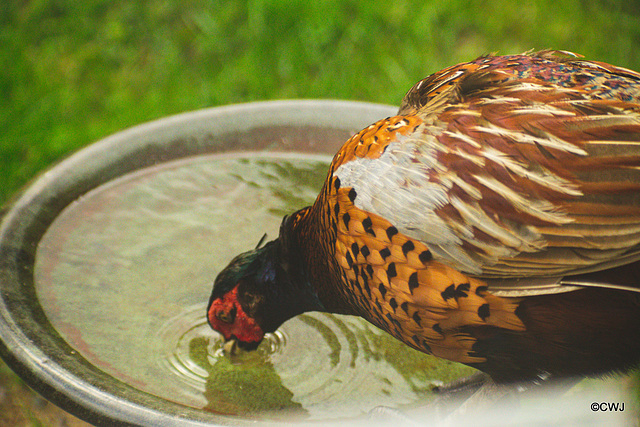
(28, 342)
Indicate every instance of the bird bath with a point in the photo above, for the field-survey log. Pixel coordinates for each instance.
(108, 259)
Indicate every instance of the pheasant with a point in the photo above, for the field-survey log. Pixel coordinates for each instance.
(495, 222)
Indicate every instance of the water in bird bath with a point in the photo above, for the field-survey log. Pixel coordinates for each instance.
(124, 274)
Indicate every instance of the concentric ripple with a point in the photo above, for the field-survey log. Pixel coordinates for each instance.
(316, 365)
(191, 348)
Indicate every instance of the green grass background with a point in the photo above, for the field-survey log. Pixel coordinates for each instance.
(72, 72)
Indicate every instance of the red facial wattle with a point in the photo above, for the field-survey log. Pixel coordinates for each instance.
(227, 317)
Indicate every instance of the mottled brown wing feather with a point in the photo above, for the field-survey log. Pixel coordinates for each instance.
(506, 172)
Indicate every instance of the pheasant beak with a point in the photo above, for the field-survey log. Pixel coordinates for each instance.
(230, 347)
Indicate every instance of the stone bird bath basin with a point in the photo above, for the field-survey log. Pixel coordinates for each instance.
(107, 261)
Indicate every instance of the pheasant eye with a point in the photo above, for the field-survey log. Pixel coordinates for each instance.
(227, 316)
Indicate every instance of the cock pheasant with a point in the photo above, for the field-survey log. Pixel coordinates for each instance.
(495, 221)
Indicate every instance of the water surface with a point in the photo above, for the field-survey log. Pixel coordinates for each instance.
(124, 274)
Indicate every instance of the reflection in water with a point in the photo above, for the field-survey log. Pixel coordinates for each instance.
(253, 389)
(317, 365)
(245, 383)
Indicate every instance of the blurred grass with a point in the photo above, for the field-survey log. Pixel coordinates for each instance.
(72, 72)
(19, 406)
